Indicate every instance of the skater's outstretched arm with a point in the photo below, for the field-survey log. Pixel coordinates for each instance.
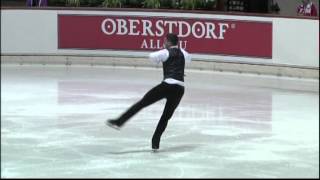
(159, 56)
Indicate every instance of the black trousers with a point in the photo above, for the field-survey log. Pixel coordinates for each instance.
(172, 92)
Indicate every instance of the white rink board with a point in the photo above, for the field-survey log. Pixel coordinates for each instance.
(34, 32)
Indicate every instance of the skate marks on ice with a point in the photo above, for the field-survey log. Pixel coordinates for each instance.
(170, 149)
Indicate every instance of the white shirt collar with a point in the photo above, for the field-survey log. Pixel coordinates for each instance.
(176, 46)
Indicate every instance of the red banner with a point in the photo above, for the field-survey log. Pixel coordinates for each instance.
(201, 36)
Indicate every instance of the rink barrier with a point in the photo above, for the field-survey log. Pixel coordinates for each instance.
(295, 41)
(201, 65)
(37, 41)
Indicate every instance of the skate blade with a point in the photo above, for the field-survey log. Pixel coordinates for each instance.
(155, 150)
(113, 126)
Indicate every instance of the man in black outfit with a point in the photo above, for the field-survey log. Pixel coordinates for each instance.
(172, 87)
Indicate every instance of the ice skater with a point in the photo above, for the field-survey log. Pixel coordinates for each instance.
(173, 61)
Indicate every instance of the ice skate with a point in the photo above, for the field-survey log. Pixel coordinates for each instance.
(113, 124)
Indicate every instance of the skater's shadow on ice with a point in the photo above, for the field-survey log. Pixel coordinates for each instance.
(176, 149)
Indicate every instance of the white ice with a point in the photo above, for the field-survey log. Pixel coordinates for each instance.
(227, 125)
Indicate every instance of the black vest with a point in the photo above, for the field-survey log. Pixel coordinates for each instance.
(173, 67)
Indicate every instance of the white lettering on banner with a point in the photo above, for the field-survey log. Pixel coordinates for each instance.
(122, 27)
(159, 28)
(183, 44)
(147, 24)
(181, 23)
(223, 27)
(158, 44)
(133, 27)
(144, 45)
(104, 28)
(170, 25)
(200, 29)
(208, 30)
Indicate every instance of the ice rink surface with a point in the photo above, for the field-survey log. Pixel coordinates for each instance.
(227, 125)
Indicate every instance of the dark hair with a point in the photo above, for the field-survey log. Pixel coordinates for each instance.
(172, 38)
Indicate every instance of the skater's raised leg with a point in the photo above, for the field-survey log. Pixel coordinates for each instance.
(154, 95)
